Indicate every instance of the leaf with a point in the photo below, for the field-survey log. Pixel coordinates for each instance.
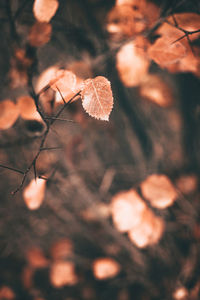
(158, 189)
(157, 90)
(33, 193)
(127, 209)
(65, 82)
(187, 21)
(148, 232)
(132, 62)
(27, 108)
(62, 273)
(44, 10)
(9, 113)
(40, 34)
(105, 267)
(97, 98)
(164, 51)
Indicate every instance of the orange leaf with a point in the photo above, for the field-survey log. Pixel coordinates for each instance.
(44, 10)
(132, 62)
(104, 268)
(148, 232)
(127, 210)
(66, 82)
(62, 273)
(61, 249)
(155, 89)
(33, 193)
(97, 98)
(27, 108)
(40, 34)
(187, 21)
(164, 51)
(159, 190)
(9, 113)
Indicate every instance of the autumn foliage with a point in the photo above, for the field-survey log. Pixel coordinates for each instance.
(94, 209)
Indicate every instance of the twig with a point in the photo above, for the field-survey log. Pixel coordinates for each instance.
(12, 169)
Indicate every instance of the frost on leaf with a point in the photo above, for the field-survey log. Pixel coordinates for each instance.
(132, 62)
(27, 108)
(159, 190)
(127, 210)
(40, 34)
(62, 273)
(8, 114)
(34, 192)
(148, 232)
(44, 10)
(104, 268)
(97, 98)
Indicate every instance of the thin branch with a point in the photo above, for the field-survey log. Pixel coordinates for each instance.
(12, 169)
(41, 148)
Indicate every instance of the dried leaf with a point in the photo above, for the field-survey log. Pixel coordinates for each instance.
(33, 193)
(155, 89)
(104, 268)
(61, 249)
(187, 184)
(130, 17)
(148, 232)
(189, 63)
(27, 108)
(188, 22)
(44, 10)
(127, 210)
(159, 190)
(124, 21)
(9, 113)
(66, 82)
(181, 293)
(36, 259)
(164, 51)
(97, 98)
(6, 293)
(62, 273)
(40, 34)
(28, 276)
(132, 63)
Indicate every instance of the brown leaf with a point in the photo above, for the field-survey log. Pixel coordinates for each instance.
(61, 249)
(166, 51)
(36, 259)
(104, 268)
(157, 90)
(97, 98)
(187, 21)
(9, 113)
(148, 232)
(127, 210)
(132, 62)
(33, 193)
(44, 10)
(62, 273)
(65, 81)
(158, 189)
(27, 108)
(40, 34)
